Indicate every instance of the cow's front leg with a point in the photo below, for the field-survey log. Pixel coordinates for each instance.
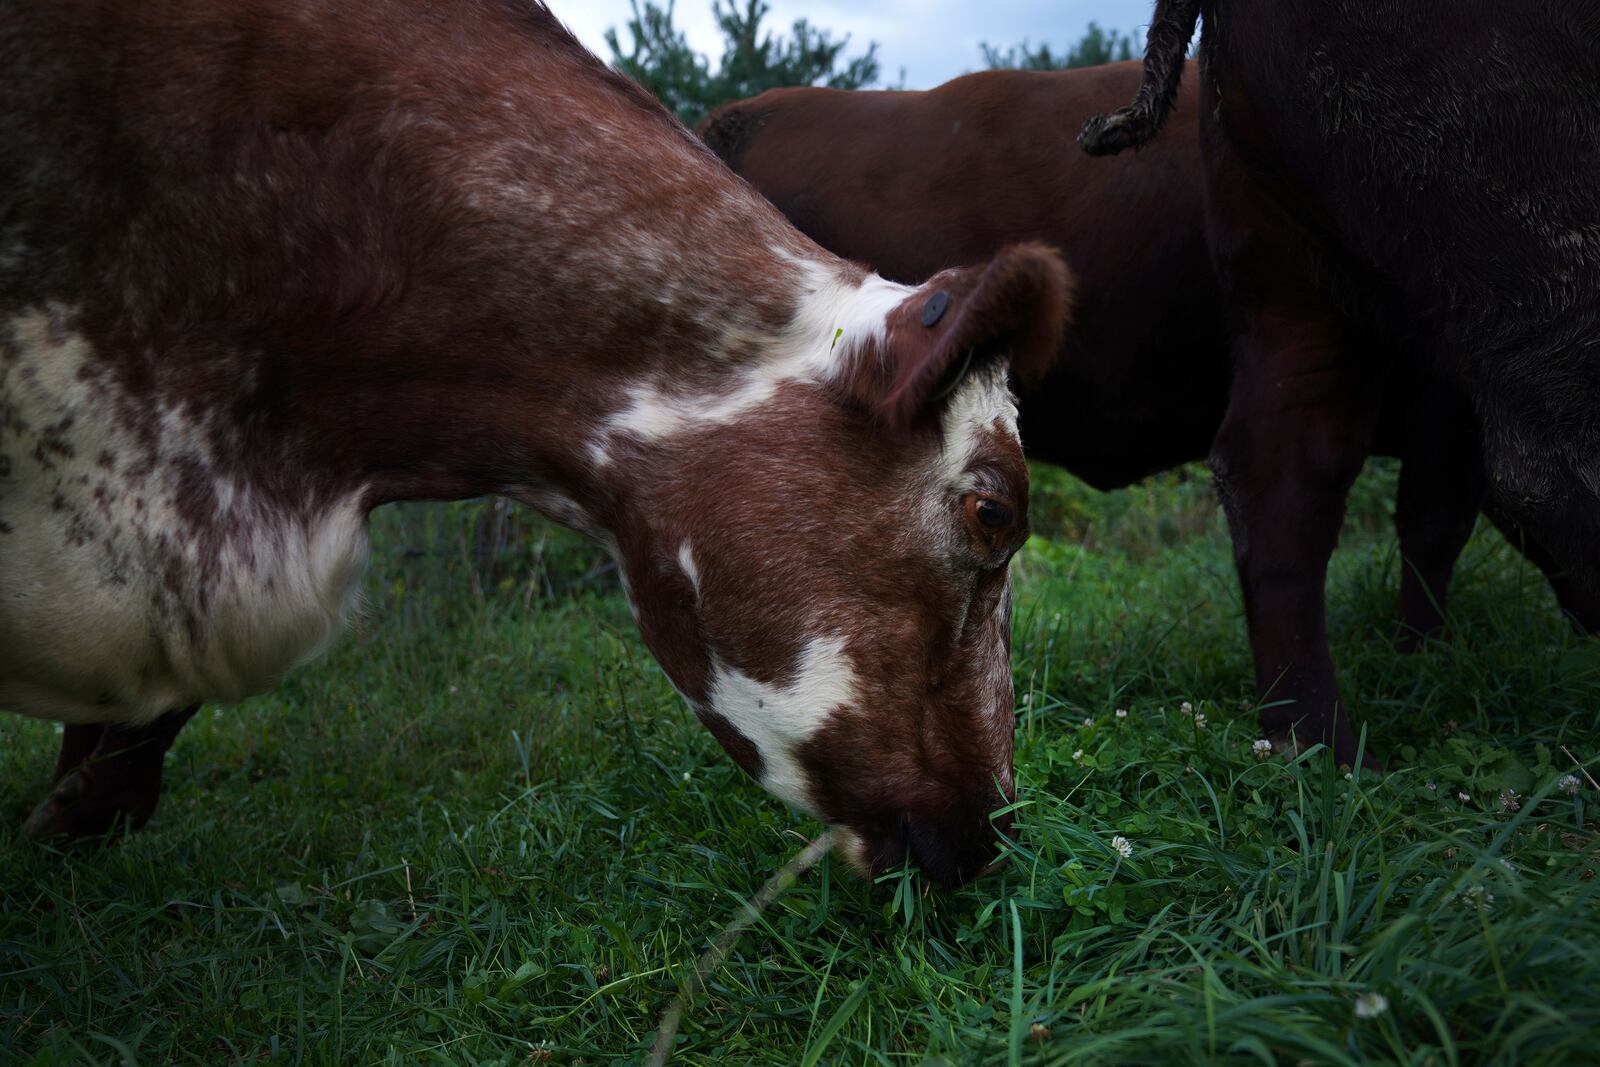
(1442, 489)
(114, 781)
(1299, 427)
(77, 745)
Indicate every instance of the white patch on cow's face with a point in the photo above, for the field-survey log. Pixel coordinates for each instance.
(686, 561)
(117, 602)
(981, 403)
(836, 315)
(779, 720)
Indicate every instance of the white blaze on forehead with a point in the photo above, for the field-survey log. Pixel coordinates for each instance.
(981, 403)
(780, 719)
(835, 315)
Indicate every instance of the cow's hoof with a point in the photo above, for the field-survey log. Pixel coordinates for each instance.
(76, 810)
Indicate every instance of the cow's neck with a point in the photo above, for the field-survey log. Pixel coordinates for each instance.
(556, 405)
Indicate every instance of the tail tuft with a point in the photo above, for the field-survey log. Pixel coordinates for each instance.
(1171, 29)
(1126, 127)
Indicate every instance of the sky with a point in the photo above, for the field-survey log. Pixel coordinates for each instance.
(933, 40)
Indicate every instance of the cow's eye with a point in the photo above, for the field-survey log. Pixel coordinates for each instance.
(990, 514)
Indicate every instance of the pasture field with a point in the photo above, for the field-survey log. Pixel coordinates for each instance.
(486, 831)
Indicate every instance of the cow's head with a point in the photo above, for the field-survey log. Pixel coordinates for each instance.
(818, 543)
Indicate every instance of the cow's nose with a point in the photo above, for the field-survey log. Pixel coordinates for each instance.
(955, 848)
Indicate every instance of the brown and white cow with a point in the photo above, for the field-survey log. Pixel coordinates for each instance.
(268, 264)
(911, 183)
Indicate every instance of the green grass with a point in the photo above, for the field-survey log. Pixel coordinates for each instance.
(485, 831)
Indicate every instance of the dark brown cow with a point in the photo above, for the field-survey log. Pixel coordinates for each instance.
(915, 182)
(1420, 175)
(268, 264)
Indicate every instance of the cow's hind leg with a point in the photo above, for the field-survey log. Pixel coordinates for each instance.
(1301, 421)
(117, 782)
(1299, 427)
(1442, 489)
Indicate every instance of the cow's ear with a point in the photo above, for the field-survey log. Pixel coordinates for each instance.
(1014, 307)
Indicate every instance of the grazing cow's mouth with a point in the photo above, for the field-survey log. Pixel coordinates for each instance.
(952, 852)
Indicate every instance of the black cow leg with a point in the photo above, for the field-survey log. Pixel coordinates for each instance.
(116, 782)
(1298, 429)
(1442, 489)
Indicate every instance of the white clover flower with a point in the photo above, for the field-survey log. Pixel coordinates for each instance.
(1122, 713)
(1433, 787)
(1477, 898)
(1262, 748)
(1463, 798)
(1122, 846)
(1570, 784)
(686, 776)
(1186, 707)
(1077, 756)
(1200, 721)
(1509, 800)
(1087, 723)
(1371, 1005)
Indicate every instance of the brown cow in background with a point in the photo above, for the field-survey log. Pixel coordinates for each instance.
(914, 182)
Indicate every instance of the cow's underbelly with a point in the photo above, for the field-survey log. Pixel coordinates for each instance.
(135, 576)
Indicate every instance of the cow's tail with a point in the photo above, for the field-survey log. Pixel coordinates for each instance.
(1134, 126)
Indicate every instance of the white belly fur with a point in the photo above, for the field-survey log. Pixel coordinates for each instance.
(114, 606)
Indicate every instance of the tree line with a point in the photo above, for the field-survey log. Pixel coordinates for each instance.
(657, 54)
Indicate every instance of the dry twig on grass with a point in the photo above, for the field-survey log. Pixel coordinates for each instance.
(711, 959)
(1581, 768)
